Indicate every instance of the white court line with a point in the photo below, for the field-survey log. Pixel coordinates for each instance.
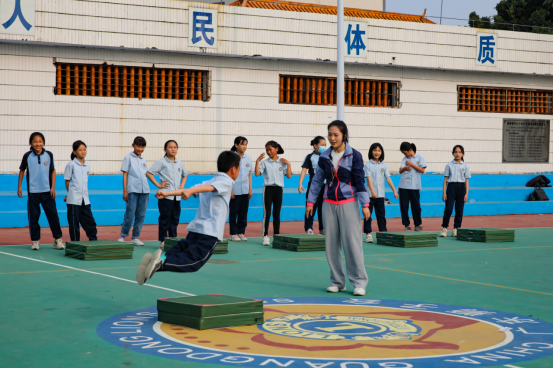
(88, 271)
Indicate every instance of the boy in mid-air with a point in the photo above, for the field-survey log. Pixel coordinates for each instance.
(190, 254)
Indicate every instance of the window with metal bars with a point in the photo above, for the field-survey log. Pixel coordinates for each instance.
(504, 100)
(128, 81)
(322, 91)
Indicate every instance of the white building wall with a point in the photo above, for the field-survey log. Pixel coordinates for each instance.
(244, 102)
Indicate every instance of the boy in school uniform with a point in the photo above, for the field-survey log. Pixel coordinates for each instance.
(411, 168)
(190, 254)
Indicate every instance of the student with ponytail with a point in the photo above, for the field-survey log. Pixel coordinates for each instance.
(273, 169)
(411, 168)
(310, 164)
(173, 177)
(78, 203)
(241, 192)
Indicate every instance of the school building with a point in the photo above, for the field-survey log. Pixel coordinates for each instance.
(202, 74)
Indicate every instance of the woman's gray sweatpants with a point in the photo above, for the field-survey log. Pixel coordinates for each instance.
(343, 228)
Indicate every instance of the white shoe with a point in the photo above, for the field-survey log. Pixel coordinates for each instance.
(454, 232)
(358, 292)
(309, 231)
(235, 238)
(58, 244)
(242, 237)
(335, 289)
(161, 245)
(121, 239)
(266, 241)
(36, 245)
(137, 242)
(369, 238)
(443, 233)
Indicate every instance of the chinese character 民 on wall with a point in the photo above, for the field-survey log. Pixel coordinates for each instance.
(486, 49)
(356, 39)
(17, 17)
(202, 28)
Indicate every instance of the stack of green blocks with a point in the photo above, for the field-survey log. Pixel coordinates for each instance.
(210, 311)
(299, 242)
(99, 250)
(407, 239)
(487, 235)
(220, 248)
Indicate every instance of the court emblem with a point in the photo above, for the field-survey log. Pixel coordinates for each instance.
(315, 332)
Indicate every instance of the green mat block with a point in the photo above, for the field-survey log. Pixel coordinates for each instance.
(485, 239)
(486, 232)
(222, 321)
(406, 236)
(300, 239)
(91, 247)
(97, 255)
(408, 243)
(298, 248)
(209, 305)
(220, 248)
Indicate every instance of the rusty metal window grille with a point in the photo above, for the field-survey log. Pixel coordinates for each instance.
(128, 81)
(322, 91)
(504, 100)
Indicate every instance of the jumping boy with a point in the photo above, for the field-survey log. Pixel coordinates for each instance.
(190, 254)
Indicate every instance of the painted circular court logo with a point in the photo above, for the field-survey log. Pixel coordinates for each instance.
(348, 333)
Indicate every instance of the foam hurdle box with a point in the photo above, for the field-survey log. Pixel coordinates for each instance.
(300, 239)
(487, 235)
(98, 255)
(214, 322)
(99, 250)
(407, 239)
(298, 248)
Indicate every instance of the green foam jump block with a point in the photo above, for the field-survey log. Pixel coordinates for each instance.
(487, 235)
(222, 321)
(298, 248)
(406, 236)
(205, 306)
(300, 239)
(91, 247)
(220, 248)
(407, 243)
(97, 255)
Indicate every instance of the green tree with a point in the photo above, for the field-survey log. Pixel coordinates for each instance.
(521, 15)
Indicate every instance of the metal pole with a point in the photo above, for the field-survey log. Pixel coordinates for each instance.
(441, 9)
(340, 63)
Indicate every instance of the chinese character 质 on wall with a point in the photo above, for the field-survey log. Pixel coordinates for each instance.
(17, 17)
(202, 28)
(486, 49)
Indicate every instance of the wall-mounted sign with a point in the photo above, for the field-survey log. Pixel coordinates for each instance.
(17, 17)
(486, 49)
(356, 39)
(202, 28)
(526, 141)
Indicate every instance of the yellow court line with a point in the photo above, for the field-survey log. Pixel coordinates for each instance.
(436, 252)
(67, 270)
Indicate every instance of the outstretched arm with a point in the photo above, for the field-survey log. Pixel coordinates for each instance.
(186, 193)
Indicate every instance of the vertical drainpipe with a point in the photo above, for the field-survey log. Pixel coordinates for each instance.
(340, 63)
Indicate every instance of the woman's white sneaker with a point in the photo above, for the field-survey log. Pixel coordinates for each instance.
(235, 238)
(309, 231)
(242, 237)
(36, 245)
(369, 238)
(137, 242)
(58, 244)
(359, 292)
(454, 232)
(335, 289)
(443, 233)
(266, 241)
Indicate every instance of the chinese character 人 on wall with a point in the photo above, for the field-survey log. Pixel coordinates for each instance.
(202, 28)
(17, 17)
(486, 49)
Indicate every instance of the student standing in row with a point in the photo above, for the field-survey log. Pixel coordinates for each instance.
(309, 165)
(273, 169)
(411, 168)
(78, 203)
(136, 191)
(376, 171)
(41, 184)
(173, 176)
(456, 190)
(241, 192)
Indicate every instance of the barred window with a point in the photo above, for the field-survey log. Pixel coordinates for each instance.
(322, 91)
(504, 100)
(129, 81)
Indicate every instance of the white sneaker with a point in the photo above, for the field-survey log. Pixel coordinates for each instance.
(121, 239)
(36, 245)
(335, 289)
(137, 242)
(235, 238)
(443, 233)
(266, 241)
(309, 231)
(161, 245)
(358, 292)
(369, 238)
(454, 232)
(242, 237)
(58, 244)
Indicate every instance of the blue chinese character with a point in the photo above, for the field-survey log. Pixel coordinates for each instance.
(199, 25)
(357, 42)
(486, 48)
(17, 13)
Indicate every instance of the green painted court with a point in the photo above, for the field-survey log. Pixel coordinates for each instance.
(51, 305)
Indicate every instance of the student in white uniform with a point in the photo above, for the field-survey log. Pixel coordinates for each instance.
(173, 176)
(78, 203)
(241, 192)
(456, 190)
(411, 168)
(376, 171)
(273, 169)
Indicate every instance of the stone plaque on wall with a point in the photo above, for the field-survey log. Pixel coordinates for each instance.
(526, 141)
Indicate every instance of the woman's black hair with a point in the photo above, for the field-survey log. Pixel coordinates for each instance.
(33, 136)
(76, 146)
(139, 141)
(316, 140)
(406, 146)
(276, 145)
(374, 146)
(238, 141)
(462, 150)
(342, 127)
(167, 144)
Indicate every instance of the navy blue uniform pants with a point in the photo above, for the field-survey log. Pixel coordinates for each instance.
(308, 221)
(238, 214)
(413, 197)
(190, 254)
(377, 203)
(272, 197)
(81, 214)
(455, 196)
(169, 215)
(33, 211)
